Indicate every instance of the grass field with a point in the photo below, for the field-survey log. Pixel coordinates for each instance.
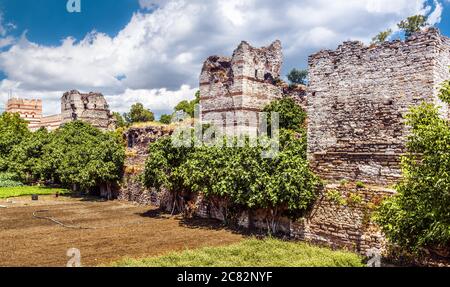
(252, 253)
(7, 192)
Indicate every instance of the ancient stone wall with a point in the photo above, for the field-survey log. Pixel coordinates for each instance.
(341, 218)
(51, 123)
(137, 140)
(91, 108)
(235, 90)
(357, 99)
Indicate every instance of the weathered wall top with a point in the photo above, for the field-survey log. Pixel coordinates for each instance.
(91, 108)
(235, 90)
(358, 96)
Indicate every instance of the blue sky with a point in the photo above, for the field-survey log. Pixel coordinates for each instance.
(152, 50)
(48, 22)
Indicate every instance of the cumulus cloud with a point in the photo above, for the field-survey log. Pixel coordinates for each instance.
(156, 58)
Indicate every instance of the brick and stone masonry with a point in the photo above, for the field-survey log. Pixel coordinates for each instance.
(29, 109)
(235, 90)
(357, 98)
(91, 108)
(138, 140)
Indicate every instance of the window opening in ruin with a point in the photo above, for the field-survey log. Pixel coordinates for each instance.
(256, 74)
(130, 141)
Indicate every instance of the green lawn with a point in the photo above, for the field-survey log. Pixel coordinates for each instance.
(252, 253)
(6, 192)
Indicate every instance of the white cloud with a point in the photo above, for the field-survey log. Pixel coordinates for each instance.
(435, 16)
(159, 52)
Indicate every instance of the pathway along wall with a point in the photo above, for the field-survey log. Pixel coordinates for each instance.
(357, 99)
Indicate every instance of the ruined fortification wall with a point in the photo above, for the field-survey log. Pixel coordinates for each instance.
(137, 140)
(341, 218)
(358, 97)
(234, 90)
(91, 108)
(28, 109)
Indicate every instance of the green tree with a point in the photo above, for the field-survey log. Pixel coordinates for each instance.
(188, 106)
(240, 175)
(413, 24)
(120, 121)
(26, 157)
(165, 119)
(291, 115)
(13, 130)
(418, 216)
(138, 114)
(382, 37)
(82, 157)
(297, 77)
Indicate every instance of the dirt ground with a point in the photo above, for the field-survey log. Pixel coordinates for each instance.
(116, 230)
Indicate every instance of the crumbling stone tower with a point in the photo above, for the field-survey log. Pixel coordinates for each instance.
(91, 108)
(357, 99)
(235, 90)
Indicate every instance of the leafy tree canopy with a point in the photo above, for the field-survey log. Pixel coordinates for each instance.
(382, 37)
(83, 156)
(120, 121)
(138, 114)
(419, 216)
(291, 116)
(165, 119)
(188, 106)
(13, 130)
(297, 77)
(413, 24)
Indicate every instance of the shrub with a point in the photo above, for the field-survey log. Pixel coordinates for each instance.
(418, 217)
(360, 184)
(291, 115)
(9, 180)
(283, 185)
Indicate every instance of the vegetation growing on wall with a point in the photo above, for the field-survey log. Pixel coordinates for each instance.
(418, 217)
(291, 116)
(239, 174)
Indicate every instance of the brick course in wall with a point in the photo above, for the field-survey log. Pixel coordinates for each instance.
(345, 224)
(91, 108)
(235, 90)
(357, 98)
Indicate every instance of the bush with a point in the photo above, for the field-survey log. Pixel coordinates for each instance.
(283, 185)
(418, 217)
(9, 180)
(291, 115)
(82, 156)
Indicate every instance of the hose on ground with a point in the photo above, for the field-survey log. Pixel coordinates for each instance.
(35, 215)
(56, 221)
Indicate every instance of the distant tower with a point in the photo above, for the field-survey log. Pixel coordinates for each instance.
(91, 108)
(28, 109)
